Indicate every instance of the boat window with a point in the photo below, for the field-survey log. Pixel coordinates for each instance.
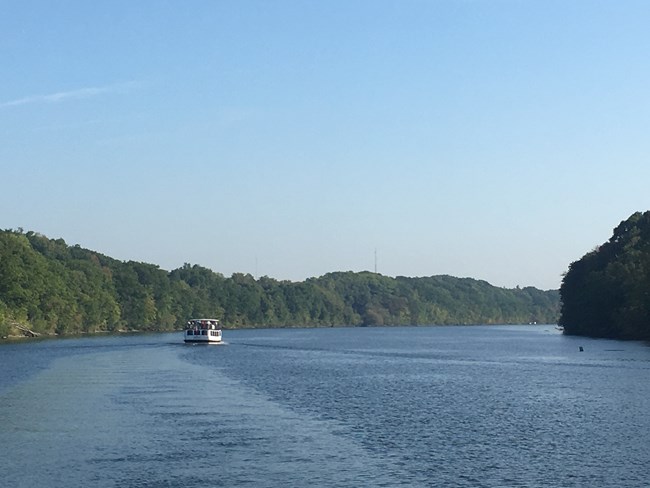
(204, 332)
(189, 332)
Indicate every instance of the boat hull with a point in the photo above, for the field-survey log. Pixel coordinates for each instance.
(200, 341)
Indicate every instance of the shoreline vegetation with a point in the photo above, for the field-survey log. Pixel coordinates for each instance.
(606, 293)
(48, 288)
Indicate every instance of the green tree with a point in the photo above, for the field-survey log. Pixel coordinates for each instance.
(606, 293)
(56, 288)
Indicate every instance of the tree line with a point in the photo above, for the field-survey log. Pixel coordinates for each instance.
(50, 287)
(606, 293)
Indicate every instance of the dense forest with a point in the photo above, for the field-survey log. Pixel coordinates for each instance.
(49, 287)
(606, 293)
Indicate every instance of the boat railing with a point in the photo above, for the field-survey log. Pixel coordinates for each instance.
(203, 325)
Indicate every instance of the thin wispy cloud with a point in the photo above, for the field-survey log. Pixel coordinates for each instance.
(78, 94)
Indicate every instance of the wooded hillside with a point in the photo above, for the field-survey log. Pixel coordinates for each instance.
(51, 287)
(606, 293)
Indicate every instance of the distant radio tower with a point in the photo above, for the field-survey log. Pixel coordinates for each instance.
(375, 260)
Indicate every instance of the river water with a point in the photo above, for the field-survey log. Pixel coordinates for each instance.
(517, 406)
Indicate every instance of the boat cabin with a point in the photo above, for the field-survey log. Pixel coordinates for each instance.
(203, 331)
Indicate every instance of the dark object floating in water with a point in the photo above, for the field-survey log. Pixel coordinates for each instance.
(581, 349)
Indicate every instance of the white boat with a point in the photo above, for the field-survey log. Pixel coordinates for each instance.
(202, 331)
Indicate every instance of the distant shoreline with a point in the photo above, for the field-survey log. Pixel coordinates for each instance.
(16, 338)
(44, 335)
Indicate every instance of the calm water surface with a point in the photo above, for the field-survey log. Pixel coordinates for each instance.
(380, 407)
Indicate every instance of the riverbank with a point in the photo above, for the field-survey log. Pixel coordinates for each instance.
(16, 337)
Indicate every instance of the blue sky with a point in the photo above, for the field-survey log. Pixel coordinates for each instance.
(494, 139)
